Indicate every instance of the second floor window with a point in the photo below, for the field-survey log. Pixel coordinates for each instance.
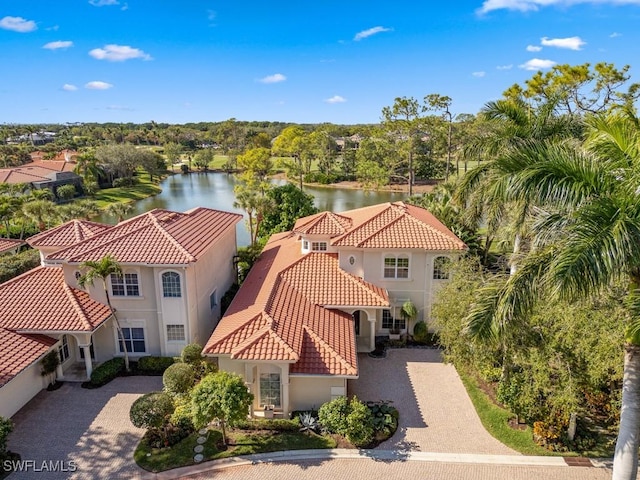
(396, 266)
(171, 284)
(125, 285)
(319, 246)
(441, 268)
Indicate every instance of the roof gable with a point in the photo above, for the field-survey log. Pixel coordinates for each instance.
(67, 234)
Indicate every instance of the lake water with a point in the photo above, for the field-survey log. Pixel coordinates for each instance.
(182, 192)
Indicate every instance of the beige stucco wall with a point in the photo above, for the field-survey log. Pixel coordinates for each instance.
(308, 393)
(22, 388)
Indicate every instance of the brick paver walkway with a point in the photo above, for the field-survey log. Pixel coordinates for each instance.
(436, 414)
(89, 427)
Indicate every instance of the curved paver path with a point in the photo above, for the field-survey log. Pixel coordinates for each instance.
(89, 427)
(436, 414)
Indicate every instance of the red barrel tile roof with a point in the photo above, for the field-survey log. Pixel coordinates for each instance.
(67, 234)
(41, 301)
(158, 237)
(18, 351)
(8, 244)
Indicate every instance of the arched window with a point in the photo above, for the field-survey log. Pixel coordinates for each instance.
(441, 268)
(171, 284)
(396, 266)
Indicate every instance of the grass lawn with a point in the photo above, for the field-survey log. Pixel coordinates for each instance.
(240, 443)
(496, 420)
(144, 189)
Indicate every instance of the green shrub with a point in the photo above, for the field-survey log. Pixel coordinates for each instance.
(154, 365)
(66, 192)
(151, 410)
(107, 371)
(277, 424)
(6, 427)
(182, 415)
(126, 182)
(359, 424)
(192, 353)
(420, 332)
(385, 417)
(13, 265)
(333, 415)
(178, 378)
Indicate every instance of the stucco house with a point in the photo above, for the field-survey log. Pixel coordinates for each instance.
(321, 293)
(175, 268)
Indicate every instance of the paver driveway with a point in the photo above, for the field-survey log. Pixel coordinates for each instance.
(90, 427)
(436, 414)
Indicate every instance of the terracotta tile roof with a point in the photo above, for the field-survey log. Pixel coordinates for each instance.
(67, 234)
(158, 237)
(271, 319)
(398, 226)
(321, 280)
(8, 244)
(41, 301)
(18, 351)
(324, 223)
(35, 171)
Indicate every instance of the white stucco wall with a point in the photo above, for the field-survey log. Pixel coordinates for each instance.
(22, 388)
(308, 393)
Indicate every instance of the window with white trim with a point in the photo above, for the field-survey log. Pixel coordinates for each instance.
(441, 267)
(396, 266)
(63, 349)
(171, 285)
(390, 322)
(319, 246)
(270, 389)
(175, 333)
(133, 339)
(125, 285)
(305, 244)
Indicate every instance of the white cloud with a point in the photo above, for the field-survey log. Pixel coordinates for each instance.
(371, 31)
(534, 5)
(533, 48)
(211, 15)
(58, 44)
(571, 43)
(615, 35)
(18, 24)
(124, 7)
(336, 99)
(98, 85)
(537, 64)
(54, 28)
(67, 87)
(118, 53)
(479, 74)
(505, 67)
(275, 78)
(104, 3)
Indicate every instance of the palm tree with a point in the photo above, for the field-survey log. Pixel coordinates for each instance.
(103, 269)
(585, 239)
(42, 212)
(119, 210)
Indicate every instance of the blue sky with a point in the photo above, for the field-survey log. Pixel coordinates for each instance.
(305, 62)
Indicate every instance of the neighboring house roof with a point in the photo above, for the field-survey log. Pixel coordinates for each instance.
(38, 171)
(18, 351)
(271, 317)
(9, 244)
(397, 226)
(158, 237)
(67, 234)
(41, 301)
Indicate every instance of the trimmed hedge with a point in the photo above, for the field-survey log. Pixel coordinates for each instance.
(151, 365)
(277, 424)
(107, 371)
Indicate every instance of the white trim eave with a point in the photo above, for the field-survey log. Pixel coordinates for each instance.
(357, 307)
(320, 375)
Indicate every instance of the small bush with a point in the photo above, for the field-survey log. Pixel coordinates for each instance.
(126, 182)
(6, 427)
(181, 416)
(178, 378)
(66, 192)
(277, 424)
(359, 424)
(154, 365)
(333, 415)
(107, 371)
(192, 353)
(151, 410)
(420, 332)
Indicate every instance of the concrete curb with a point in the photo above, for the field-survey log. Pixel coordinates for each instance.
(375, 455)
